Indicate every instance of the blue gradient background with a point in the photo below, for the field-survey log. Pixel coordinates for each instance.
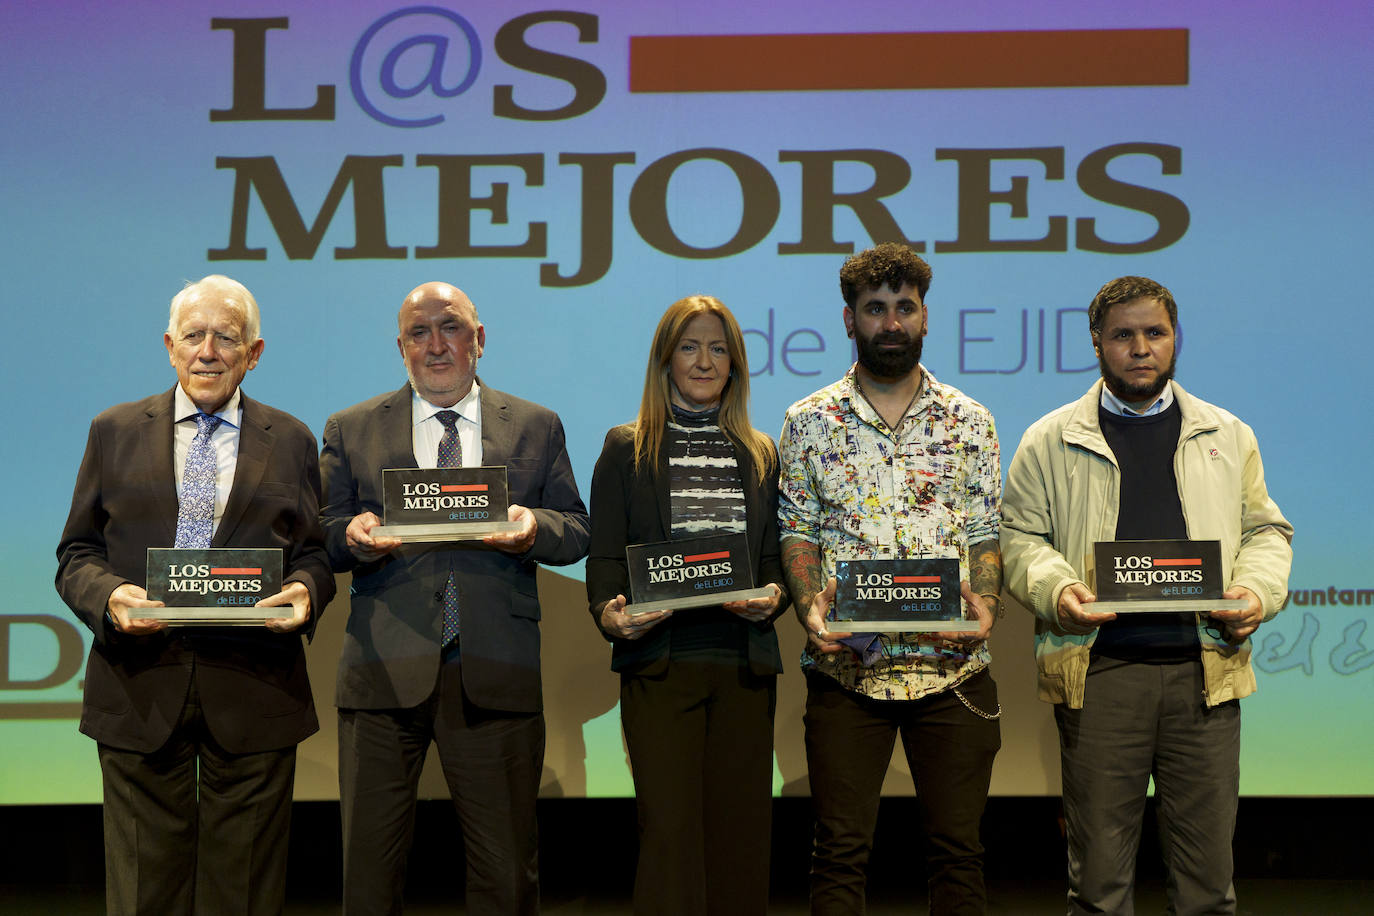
(111, 199)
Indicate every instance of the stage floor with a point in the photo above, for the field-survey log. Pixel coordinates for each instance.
(1293, 856)
(1257, 897)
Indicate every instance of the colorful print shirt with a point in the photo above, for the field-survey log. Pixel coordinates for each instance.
(859, 490)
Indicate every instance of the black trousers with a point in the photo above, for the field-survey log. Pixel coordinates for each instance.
(492, 764)
(950, 749)
(194, 829)
(700, 739)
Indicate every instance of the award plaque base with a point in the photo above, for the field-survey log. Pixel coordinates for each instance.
(447, 531)
(714, 598)
(211, 616)
(1165, 605)
(904, 626)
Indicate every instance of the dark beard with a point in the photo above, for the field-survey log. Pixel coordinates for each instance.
(889, 364)
(1136, 394)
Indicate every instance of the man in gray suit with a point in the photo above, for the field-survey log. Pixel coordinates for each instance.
(442, 643)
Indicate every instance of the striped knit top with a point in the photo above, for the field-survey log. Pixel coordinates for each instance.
(706, 497)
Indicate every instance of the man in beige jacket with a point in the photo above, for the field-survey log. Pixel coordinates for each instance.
(1138, 458)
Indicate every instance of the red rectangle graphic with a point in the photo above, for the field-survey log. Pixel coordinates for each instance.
(1178, 562)
(906, 579)
(1021, 59)
(235, 570)
(463, 488)
(700, 557)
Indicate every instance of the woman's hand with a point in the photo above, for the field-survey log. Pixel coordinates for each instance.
(615, 621)
(756, 610)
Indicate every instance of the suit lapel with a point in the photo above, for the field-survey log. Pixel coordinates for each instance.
(753, 494)
(396, 431)
(156, 435)
(497, 432)
(255, 446)
(663, 490)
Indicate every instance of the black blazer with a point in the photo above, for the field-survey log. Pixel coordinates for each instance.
(633, 508)
(392, 649)
(252, 682)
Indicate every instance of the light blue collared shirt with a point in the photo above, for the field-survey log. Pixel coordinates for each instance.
(1114, 404)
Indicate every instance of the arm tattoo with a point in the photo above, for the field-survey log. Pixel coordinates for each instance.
(801, 568)
(985, 571)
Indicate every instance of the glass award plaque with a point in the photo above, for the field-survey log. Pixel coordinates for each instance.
(212, 586)
(444, 504)
(693, 572)
(899, 596)
(1135, 577)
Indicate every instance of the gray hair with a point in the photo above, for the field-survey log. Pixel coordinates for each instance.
(231, 292)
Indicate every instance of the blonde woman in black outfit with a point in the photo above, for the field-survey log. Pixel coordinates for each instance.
(697, 687)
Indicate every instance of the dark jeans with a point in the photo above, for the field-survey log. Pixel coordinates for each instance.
(950, 749)
(1140, 721)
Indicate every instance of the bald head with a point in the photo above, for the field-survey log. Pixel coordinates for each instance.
(436, 291)
(440, 340)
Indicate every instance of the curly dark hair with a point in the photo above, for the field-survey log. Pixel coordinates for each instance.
(890, 264)
(1127, 289)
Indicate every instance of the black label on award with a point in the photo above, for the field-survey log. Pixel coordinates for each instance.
(213, 576)
(919, 592)
(1132, 570)
(689, 567)
(437, 496)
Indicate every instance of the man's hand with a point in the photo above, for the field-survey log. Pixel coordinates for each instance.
(615, 621)
(1240, 623)
(981, 613)
(516, 542)
(123, 605)
(1075, 610)
(297, 597)
(821, 639)
(362, 544)
(756, 610)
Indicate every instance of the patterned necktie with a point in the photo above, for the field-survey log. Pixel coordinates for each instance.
(450, 456)
(196, 512)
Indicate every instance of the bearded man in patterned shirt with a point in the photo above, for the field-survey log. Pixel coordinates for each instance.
(887, 463)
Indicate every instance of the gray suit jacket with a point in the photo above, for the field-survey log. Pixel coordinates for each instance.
(391, 651)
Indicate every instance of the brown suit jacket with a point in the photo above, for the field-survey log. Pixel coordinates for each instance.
(252, 683)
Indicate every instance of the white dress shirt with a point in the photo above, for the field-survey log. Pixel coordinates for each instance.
(224, 440)
(427, 429)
